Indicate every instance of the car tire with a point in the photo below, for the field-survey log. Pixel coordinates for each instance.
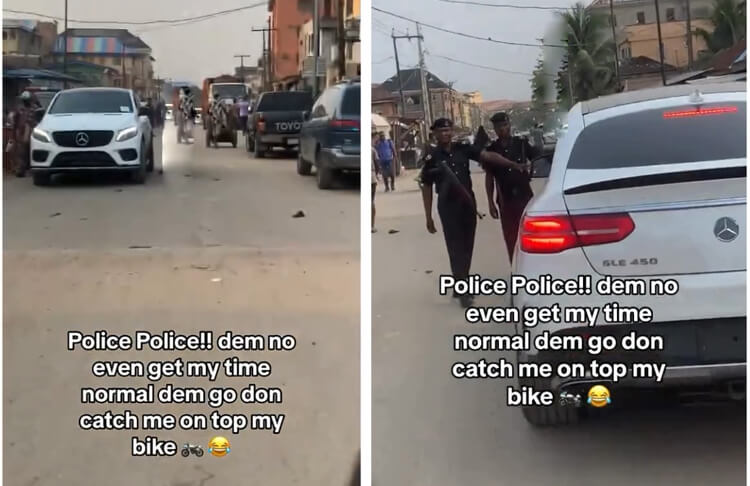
(549, 416)
(150, 164)
(139, 175)
(41, 179)
(324, 175)
(259, 151)
(304, 168)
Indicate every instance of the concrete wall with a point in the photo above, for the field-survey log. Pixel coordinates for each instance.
(626, 12)
(643, 40)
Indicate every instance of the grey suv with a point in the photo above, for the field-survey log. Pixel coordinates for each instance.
(329, 138)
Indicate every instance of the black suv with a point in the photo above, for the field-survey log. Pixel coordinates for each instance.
(329, 138)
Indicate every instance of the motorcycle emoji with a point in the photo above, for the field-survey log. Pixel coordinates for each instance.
(195, 449)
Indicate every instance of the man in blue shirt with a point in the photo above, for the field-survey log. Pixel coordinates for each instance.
(387, 156)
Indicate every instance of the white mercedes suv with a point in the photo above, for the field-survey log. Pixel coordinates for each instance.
(92, 129)
(646, 185)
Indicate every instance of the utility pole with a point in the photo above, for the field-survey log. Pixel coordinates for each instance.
(614, 39)
(270, 54)
(661, 46)
(689, 34)
(450, 100)
(316, 46)
(65, 51)
(342, 39)
(266, 66)
(426, 101)
(398, 68)
(242, 60)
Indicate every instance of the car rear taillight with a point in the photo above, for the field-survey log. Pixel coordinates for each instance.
(345, 124)
(714, 110)
(260, 125)
(554, 234)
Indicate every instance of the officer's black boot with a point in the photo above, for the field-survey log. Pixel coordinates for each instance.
(467, 301)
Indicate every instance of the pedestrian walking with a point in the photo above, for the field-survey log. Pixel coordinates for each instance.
(509, 191)
(447, 167)
(243, 107)
(387, 157)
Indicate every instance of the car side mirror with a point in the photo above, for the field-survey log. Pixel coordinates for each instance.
(541, 166)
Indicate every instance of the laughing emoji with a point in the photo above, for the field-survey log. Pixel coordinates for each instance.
(218, 446)
(599, 396)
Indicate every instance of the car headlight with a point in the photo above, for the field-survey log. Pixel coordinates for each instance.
(41, 135)
(126, 134)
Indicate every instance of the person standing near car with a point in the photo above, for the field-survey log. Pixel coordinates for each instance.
(23, 124)
(387, 157)
(243, 108)
(509, 189)
(446, 167)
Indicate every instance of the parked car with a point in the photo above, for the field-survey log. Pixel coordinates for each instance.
(646, 185)
(43, 94)
(329, 139)
(276, 121)
(92, 129)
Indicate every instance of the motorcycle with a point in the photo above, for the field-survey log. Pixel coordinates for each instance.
(187, 449)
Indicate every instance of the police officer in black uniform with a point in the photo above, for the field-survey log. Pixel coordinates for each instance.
(447, 167)
(510, 189)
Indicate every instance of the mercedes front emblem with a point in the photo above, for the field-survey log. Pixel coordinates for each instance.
(726, 229)
(82, 139)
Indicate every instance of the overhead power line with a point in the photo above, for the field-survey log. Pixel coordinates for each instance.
(481, 66)
(461, 34)
(145, 22)
(503, 5)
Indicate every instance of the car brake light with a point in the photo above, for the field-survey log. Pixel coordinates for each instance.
(350, 124)
(261, 125)
(554, 234)
(716, 110)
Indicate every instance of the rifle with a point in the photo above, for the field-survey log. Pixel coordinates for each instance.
(455, 184)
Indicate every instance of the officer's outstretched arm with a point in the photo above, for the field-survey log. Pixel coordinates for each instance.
(493, 159)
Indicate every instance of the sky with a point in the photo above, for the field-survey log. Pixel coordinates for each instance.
(185, 53)
(506, 24)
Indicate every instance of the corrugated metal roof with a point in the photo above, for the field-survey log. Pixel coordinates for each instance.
(101, 41)
(37, 74)
(25, 24)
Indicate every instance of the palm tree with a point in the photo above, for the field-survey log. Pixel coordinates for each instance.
(728, 19)
(588, 66)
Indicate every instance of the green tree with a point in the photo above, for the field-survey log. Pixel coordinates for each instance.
(538, 85)
(728, 19)
(588, 65)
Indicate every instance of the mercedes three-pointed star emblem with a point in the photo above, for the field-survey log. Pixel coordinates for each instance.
(82, 139)
(726, 229)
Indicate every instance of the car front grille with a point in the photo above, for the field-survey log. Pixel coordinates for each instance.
(83, 160)
(83, 138)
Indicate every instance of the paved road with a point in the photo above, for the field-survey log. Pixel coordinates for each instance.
(210, 245)
(432, 430)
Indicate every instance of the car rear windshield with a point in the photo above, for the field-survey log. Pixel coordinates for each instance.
(350, 103)
(229, 90)
(664, 136)
(286, 101)
(92, 102)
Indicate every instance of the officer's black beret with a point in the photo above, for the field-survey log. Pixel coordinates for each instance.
(500, 117)
(442, 123)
